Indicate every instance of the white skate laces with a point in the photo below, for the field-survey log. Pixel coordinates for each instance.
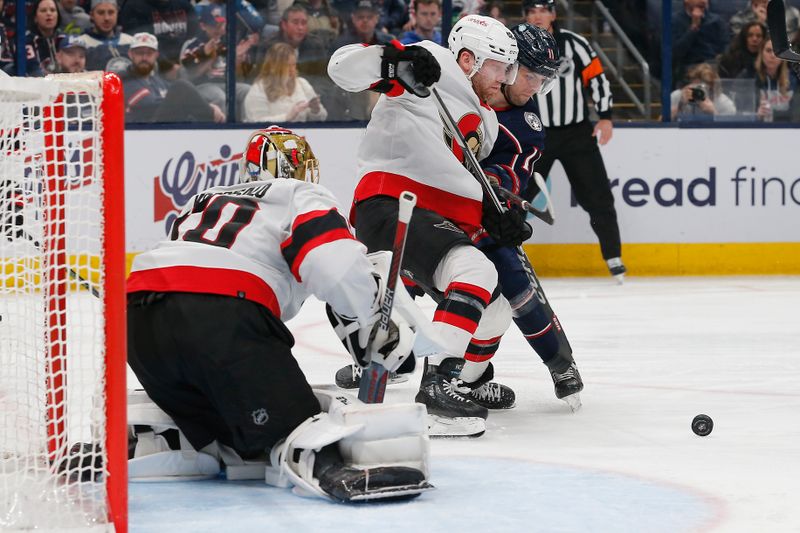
(488, 391)
(455, 389)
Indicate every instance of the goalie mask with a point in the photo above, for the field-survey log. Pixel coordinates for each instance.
(276, 152)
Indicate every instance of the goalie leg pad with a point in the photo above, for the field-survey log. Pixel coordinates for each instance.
(153, 459)
(355, 451)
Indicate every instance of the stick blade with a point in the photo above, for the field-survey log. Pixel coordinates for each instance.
(372, 386)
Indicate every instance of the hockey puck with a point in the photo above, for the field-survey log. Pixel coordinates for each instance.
(702, 425)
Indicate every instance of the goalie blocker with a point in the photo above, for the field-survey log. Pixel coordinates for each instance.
(349, 452)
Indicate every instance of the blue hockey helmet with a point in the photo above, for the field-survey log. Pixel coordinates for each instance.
(538, 52)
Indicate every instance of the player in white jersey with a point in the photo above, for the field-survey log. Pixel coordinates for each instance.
(207, 341)
(405, 148)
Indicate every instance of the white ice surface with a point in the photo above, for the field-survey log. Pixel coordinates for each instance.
(653, 353)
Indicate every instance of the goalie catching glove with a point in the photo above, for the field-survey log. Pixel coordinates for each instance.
(413, 67)
(366, 341)
(508, 228)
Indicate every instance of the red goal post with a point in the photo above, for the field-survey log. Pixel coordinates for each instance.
(63, 433)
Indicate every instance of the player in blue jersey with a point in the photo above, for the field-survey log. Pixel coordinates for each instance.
(511, 164)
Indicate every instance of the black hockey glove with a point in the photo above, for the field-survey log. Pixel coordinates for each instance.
(498, 176)
(413, 67)
(508, 228)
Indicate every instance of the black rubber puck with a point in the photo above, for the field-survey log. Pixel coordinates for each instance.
(702, 425)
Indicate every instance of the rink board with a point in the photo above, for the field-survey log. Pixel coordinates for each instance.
(689, 201)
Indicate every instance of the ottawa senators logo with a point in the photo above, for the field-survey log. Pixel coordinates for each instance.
(470, 127)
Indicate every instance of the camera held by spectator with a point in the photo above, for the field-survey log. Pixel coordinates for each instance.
(702, 97)
(698, 93)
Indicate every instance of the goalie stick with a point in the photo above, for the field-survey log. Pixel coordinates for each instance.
(373, 380)
(776, 20)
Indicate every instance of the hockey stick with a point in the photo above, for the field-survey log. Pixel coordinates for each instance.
(546, 216)
(776, 20)
(477, 172)
(373, 380)
(83, 282)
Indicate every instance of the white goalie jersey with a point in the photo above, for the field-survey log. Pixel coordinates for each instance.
(273, 242)
(405, 146)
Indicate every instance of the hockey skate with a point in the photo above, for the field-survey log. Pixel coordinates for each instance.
(568, 385)
(349, 377)
(493, 395)
(451, 413)
(617, 269)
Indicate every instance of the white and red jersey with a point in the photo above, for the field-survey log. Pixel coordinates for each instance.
(273, 242)
(405, 146)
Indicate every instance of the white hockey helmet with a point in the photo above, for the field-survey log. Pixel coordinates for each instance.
(276, 152)
(486, 38)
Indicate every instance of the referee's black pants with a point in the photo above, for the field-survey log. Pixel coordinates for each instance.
(580, 156)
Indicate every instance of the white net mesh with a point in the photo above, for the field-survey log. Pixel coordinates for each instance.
(52, 426)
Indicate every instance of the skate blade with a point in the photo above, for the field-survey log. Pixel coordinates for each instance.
(573, 401)
(393, 379)
(407, 491)
(620, 279)
(443, 427)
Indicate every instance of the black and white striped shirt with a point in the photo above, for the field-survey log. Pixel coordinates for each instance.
(580, 68)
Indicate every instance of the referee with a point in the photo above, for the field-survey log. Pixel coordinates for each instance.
(570, 137)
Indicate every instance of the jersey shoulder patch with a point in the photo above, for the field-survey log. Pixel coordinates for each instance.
(533, 120)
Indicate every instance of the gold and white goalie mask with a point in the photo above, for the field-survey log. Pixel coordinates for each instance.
(276, 152)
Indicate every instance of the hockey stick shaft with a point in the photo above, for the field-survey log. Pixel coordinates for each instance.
(83, 282)
(478, 173)
(372, 386)
(522, 203)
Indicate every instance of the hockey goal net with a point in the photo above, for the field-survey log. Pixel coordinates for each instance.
(63, 448)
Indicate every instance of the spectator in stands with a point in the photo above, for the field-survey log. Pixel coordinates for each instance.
(494, 10)
(702, 97)
(173, 22)
(323, 21)
(42, 37)
(7, 59)
(279, 95)
(345, 105)
(104, 41)
(778, 98)
(71, 55)
(698, 36)
(741, 54)
(393, 14)
(74, 19)
(150, 98)
(757, 12)
(204, 58)
(427, 17)
(273, 10)
(248, 20)
(312, 58)
(364, 23)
